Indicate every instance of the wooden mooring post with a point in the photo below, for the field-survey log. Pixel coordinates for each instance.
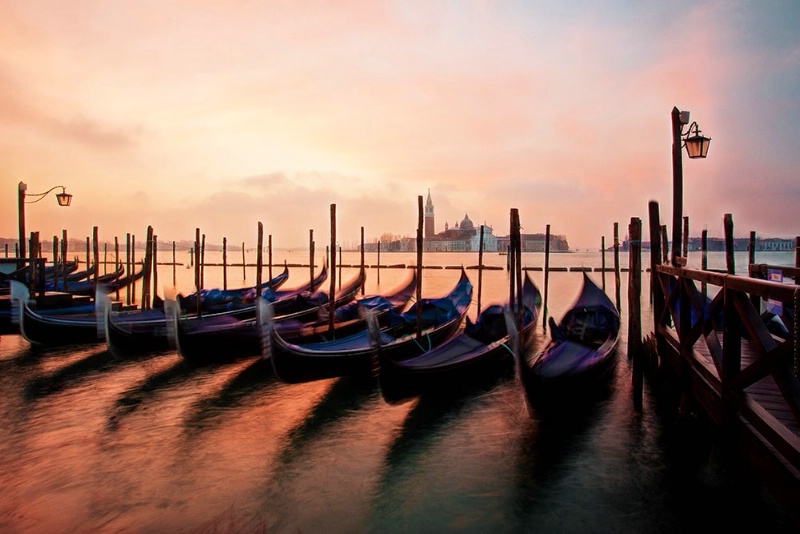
(363, 280)
(147, 267)
(259, 256)
(635, 352)
(64, 252)
(603, 260)
(480, 271)
(96, 259)
(379, 263)
(203, 262)
(197, 270)
(269, 257)
(420, 222)
(616, 266)
(332, 293)
(730, 260)
(311, 257)
(128, 265)
(546, 273)
(155, 270)
(517, 274)
(224, 263)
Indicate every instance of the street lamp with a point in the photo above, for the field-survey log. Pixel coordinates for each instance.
(64, 199)
(696, 147)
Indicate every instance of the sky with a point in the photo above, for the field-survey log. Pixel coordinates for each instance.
(219, 115)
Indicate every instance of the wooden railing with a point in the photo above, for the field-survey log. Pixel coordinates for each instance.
(723, 314)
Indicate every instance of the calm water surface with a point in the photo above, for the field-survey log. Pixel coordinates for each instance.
(90, 443)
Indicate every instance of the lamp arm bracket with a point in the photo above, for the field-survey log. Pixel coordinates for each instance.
(42, 195)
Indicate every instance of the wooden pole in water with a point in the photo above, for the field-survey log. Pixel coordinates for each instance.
(685, 242)
(174, 267)
(510, 265)
(546, 275)
(88, 255)
(379, 263)
(704, 261)
(155, 268)
(480, 270)
(64, 251)
(147, 267)
(105, 258)
(311, 257)
(203, 262)
(197, 270)
(730, 262)
(420, 222)
(616, 265)
(259, 257)
(128, 267)
(603, 264)
(96, 258)
(518, 274)
(332, 293)
(117, 263)
(55, 263)
(362, 259)
(224, 263)
(269, 257)
(133, 266)
(664, 243)
(340, 267)
(634, 309)
(244, 264)
(751, 248)
(656, 293)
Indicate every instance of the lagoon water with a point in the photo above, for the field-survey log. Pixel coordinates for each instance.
(90, 443)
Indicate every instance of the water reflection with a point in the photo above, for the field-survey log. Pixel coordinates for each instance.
(253, 379)
(81, 369)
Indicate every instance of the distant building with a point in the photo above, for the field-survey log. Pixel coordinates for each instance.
(464, 236)
(429, 218)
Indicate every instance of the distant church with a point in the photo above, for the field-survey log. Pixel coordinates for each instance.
(462, 237)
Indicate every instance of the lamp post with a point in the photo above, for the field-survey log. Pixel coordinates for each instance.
(696, 147)
(64, 199)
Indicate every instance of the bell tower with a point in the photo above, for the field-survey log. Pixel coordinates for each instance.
(429, 220)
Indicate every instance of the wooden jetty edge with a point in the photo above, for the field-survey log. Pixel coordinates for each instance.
(710, 332)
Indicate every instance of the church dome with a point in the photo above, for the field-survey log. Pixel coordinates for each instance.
(466, 224)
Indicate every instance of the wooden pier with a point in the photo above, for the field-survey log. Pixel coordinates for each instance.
(737, 365)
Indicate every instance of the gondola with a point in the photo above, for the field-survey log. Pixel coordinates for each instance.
(220, 337)
(349, 318)
(478, 354)
(217, 300)
(54, 330)
(136, 333)
(23, 274)
(84, 285)
(353, 355)
(577, 365)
